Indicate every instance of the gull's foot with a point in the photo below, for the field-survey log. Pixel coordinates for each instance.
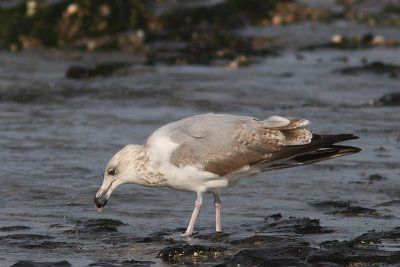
(187, 234)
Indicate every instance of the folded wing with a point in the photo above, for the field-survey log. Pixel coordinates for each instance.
(223, 144)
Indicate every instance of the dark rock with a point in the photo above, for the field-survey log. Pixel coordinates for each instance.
(103, 223)
(359, 258)
(375, 67)
(286, 256)
(352, 245)
(328, 256)
(367, 240)
(101, 69)
(298, 225)
(95, 226)
(189, 253)
(388, 100)
(376, 177)
(308, 226)
(337, 245)
(275, 216)
(41, 264)
(14, 228)
(393, 234)
(345, 208)
(356, 211)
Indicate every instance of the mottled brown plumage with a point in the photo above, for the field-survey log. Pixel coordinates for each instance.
(248, 142)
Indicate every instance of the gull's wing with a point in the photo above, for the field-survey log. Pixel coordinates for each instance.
(222, 144)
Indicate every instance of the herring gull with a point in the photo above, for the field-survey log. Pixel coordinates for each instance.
(211, 151)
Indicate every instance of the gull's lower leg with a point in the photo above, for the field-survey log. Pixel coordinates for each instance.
(217, 205)
(197, 205)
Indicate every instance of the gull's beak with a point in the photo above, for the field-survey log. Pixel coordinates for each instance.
(104, 193)
(100, 200)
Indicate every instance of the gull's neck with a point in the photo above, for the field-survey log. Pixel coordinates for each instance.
(148, 173)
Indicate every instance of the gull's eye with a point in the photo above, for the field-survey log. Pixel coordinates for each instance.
(111, 172)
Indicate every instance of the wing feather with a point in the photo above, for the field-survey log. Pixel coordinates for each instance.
(222, 144)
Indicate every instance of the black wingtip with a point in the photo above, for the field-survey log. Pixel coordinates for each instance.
(336, 138)
(346, 150)
(325, 153)
(348, 136)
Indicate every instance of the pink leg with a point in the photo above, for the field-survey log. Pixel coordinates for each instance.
(217, 205)
(197, 205)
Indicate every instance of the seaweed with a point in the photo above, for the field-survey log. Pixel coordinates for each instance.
(37, 24)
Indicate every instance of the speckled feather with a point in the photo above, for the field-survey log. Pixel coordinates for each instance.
(222, 144)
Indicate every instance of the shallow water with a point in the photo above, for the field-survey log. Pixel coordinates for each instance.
(57, 135)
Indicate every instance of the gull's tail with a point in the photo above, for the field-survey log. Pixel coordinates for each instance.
(321, 147)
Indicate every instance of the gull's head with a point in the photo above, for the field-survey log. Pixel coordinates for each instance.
(121, 169)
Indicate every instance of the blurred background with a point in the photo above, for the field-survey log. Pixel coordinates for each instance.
(80, 79)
